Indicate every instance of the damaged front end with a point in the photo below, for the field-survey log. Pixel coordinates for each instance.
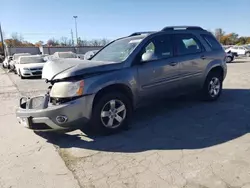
(47, 113)
(68, 102)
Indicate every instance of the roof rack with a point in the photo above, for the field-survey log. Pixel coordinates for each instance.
(182, 28)
(141, 33)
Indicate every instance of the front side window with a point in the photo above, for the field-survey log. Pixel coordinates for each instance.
(160, 47)
(186, 44)
(119, 50)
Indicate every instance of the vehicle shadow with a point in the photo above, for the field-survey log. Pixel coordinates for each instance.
(184, 123)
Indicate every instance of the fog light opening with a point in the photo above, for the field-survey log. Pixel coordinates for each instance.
(61, 119)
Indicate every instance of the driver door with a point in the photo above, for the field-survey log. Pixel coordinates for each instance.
(158, 76)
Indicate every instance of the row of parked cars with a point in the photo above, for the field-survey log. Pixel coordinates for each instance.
(27, 65)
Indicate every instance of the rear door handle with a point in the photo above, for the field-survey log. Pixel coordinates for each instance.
(203, 57)
(173, 63)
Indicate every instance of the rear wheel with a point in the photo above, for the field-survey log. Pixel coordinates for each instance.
(111, 113)
(212, 87)
(248, 54)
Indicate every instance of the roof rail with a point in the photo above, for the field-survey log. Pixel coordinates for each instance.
(182, 28)
(141, 33)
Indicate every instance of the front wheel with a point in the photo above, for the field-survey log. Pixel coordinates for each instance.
(212, 87)
(229, 59)
(248, 54)
(111, 113)
(20, 74)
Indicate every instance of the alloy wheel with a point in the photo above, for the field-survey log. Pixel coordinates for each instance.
(214, 87)
(113, 113)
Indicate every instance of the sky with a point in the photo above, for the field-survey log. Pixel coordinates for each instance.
(45, 19)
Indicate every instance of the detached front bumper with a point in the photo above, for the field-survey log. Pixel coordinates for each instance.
(39, 114)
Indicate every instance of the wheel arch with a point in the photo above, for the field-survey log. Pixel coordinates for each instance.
(116, 87)
(219, 69)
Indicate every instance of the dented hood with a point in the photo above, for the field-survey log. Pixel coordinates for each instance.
(64, 68)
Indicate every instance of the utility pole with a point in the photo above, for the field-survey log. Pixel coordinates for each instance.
(1, 33)
(76, 29)
(72, 38)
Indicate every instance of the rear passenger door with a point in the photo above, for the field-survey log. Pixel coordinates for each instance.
(192, 60)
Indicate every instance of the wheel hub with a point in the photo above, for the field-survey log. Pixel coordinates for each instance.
(113, 113)
(214, 87)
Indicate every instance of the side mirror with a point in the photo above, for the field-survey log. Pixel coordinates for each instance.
(148, 56)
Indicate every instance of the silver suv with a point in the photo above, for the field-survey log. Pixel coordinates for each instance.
(102, 92)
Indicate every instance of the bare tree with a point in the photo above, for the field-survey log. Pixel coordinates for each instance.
(219, 33)
(17, 37)
(52, 42)
(64, 41)
(104, 42)
(83, 42)
(95, 42)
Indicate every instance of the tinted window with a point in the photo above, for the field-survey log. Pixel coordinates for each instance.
(161, 46)
(187, 44)
(212, 42)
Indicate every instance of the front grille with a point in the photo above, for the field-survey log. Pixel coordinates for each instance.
(35, 69)
(37, 73)
(56, 101)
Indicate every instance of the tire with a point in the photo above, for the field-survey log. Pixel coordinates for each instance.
(229, 59)
(248, 54)
(102, 105)
(207, 94)
(20, 75)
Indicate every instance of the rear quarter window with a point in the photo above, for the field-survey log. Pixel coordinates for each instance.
(212, 42)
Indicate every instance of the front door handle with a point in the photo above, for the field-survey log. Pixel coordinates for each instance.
(203, 57)
(173, 64)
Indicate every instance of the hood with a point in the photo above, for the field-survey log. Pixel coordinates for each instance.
(32, 65)
(64, 68)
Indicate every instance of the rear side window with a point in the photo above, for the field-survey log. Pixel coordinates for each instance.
(186, 44)
(212, 42)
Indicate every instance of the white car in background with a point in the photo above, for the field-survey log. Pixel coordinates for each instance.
(15, 59)
(29, 66)
(240, 50)
(7, 61)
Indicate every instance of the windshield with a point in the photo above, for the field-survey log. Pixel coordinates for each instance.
(24, 60)
(66, 55)
(16, 56)
(119, 50)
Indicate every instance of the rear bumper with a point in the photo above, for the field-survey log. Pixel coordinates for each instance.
(48, 117)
